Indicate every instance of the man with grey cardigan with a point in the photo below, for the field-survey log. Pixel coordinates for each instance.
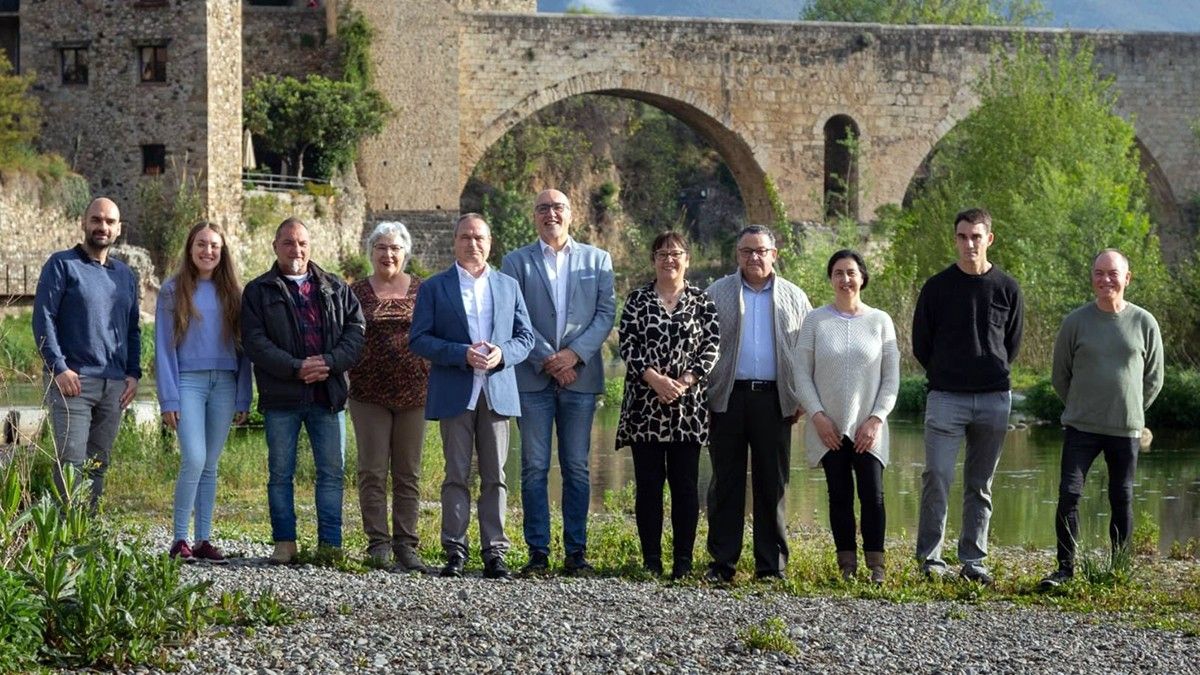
(754, 400)
(1108, 369)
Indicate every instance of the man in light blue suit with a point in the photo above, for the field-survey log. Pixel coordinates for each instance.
(568, 287)
(471, 323)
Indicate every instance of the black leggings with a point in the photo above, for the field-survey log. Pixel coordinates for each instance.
(677, 464)
(842, 466)
(1080, 449)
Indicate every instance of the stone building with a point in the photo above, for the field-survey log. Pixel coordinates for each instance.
(138, 90)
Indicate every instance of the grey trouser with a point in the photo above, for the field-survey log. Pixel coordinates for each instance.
(85, 427)
(982, 419)
(481, 433)
(389, 441)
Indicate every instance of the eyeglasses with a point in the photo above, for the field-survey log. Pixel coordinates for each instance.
(393, 249)
(751, 252)
(557, 207)
(674, 254)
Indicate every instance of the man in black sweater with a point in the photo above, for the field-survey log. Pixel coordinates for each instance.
(966, 332)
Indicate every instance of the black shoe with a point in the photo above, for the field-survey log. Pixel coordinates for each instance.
(496, 569)
(454, 566)
(680, 568)
(578, 566)
(653, 566)
(978, 575)
(539, 563)
(718, 575)
(1056, 578)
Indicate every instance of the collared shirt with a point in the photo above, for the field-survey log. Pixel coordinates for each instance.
(756, 348)
(556, 271)
(477, 301)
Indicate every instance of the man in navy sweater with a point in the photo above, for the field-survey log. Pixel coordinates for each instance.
(966, 332)
(85, 323)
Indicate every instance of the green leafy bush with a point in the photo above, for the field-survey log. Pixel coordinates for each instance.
(1042, 402)
(90, 598)
(911, 399)
(1178, 405)
(21, 630)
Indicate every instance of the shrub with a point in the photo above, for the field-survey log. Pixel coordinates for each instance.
(1042, 402)
(90, 599)
(355, 266)
(1178, 404)
(911, 399)
(771, 635)
(21, 630)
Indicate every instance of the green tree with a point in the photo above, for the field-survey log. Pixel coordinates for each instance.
(329, 117)
(20, 113)
(1059, 171)
(945, 12)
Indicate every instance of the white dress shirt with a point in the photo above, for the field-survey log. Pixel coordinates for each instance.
(477, 301)
(556, 271)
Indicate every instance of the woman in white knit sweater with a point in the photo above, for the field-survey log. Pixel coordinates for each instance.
(849, 377)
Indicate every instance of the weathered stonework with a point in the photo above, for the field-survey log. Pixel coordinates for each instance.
(30, 228)
(286, 41)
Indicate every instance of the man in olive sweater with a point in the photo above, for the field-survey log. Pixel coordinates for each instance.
(1108, 369)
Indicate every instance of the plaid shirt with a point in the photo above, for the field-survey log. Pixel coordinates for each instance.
(306, 295)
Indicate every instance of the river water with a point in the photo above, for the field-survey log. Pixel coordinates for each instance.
(1024, 494)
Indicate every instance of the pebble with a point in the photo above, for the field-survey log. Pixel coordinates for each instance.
(418, 624)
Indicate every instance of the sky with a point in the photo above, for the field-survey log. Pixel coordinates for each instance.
(1153, 15)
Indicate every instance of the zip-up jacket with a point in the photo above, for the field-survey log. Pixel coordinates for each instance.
(271, 338)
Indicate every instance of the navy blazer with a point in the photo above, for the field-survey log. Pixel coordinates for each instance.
(439, 333)
(591, 312)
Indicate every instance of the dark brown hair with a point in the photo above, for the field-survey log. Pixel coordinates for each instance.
(668, 237)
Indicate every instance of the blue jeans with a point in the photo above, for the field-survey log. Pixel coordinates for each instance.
(206, 402)
(327, 435)
(982, 419)
(573, 413)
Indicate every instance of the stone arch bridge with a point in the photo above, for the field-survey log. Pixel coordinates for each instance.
(761, 92)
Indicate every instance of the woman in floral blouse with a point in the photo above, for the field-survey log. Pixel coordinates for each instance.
(668, 337)
(387, 401)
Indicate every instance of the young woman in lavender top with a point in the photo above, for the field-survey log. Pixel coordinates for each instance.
(202, 377)
(849, 378)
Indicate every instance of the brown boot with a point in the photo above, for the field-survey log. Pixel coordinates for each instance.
(848, 563)
(875, 564)
(285, 551)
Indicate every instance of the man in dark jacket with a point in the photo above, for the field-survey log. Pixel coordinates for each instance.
(302, 329)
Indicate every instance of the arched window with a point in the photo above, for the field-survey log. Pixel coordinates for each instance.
(841, 168)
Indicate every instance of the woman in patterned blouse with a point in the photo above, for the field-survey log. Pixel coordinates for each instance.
(668, 336)
(387, 401)
(849, 378)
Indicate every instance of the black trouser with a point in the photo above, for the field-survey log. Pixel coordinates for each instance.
(677, 464)
(753, 418)
(1080, 449)
(842, 467)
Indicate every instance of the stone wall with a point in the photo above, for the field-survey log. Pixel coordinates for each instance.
(32, 226)
(223, 176)
(286, 41)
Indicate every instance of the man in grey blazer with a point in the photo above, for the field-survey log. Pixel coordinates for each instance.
(471, 323)
(568, 288)
(754, 400)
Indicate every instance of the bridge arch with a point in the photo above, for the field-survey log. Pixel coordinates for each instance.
(705, 118)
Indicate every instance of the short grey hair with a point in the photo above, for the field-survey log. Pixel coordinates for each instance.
(394, 229)
(757, 229)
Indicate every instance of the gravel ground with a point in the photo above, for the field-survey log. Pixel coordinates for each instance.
(382, 622)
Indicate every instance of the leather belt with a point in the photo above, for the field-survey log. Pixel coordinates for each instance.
(754, 385)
